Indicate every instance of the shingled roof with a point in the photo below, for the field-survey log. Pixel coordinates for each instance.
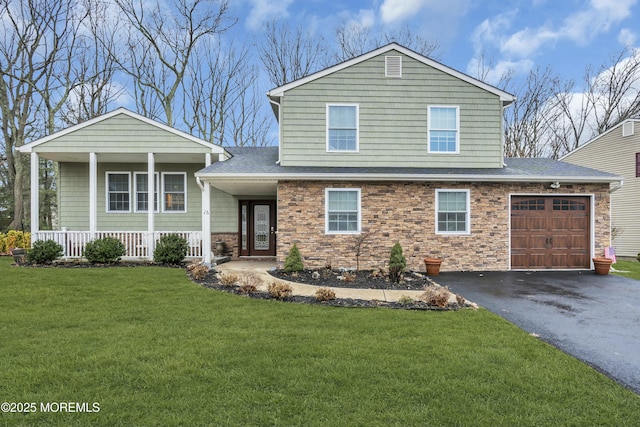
(255, 162)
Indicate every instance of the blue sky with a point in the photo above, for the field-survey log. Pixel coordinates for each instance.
(566, 35)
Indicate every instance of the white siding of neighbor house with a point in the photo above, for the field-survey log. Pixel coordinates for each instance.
(73, 201)
(613, 153)
(392, 118)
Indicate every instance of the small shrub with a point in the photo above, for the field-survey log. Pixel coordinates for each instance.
(228, 279)
(325, 294)
(170, 249)
(349, 277)
(248, 288)
(249, 279)
(15, 239)
(44, 252)
(397, 263)
(104, 251)
(437, 296)
(280, 290)
(198, 270)
(293, 262)
(405, 300)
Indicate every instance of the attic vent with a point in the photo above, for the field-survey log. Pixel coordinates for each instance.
(393, 66)
(627, 129)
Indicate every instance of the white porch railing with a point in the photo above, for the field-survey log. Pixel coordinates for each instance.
(136, 243)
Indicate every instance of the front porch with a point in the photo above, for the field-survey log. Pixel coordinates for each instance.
(139, 245)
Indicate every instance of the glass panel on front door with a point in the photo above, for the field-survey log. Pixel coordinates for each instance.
(261, 227)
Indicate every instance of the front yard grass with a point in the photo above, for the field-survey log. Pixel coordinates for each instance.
(152, 348)
(627, 269)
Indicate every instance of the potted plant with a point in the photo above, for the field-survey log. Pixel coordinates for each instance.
(602, 265)
(433, 266)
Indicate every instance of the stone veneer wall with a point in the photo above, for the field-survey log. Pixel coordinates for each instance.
(230, 239)
(404, 212)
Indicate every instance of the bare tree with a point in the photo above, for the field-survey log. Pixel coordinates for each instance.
(288, 55)
(526, 121)
(614, 90)
(160, 45)
(222, 104)
(354, 39)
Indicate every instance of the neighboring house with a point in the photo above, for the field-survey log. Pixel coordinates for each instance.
(387, 147)
(617, 151)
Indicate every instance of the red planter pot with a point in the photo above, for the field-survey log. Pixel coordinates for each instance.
(602, 265)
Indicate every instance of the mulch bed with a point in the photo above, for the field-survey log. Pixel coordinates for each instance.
(363, 279)
(211, 281)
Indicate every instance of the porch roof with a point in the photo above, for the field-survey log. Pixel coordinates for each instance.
(259, 165)
(122, 136)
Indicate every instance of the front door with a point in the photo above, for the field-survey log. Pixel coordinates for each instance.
(257, 228)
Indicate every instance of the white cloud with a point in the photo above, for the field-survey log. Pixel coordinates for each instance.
(397, 10)
(495, 73)
(265, 10)
(627, 38)
(527, 42)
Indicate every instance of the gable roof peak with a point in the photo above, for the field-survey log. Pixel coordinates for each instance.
(505, 97)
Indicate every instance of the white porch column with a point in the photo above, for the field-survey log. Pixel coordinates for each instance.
(93, 194)
(206, 217)
(151, 206)
(35, 193)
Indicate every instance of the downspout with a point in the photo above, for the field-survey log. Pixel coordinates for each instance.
(279, 128)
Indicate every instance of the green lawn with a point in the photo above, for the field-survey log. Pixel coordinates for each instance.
(152, 348)
(627, 269)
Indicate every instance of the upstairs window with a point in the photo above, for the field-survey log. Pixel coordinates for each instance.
(443, 125)
(118, 192)
(452, 212)
(174, 192)
(342, 210)
(342, 128)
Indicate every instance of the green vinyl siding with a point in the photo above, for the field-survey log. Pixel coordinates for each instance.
(121, 134)
(392, 118)
(616, 154)
(74, 201)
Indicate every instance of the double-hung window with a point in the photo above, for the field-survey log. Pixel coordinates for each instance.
(342, 127)
(342, 210)
(452, 212)
(174, 192)
(444, 129)
(118, 192)
(142, 191)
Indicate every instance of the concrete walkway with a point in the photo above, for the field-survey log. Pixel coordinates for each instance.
(261, 268)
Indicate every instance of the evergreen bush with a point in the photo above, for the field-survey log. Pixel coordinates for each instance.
(105, 250)
(397, 263)
(293, 262)
(170, 249)
(44, 252)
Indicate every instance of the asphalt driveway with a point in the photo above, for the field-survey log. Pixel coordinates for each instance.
(594, 318)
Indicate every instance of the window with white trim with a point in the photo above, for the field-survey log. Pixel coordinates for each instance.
(118, 191)
(342, 210)
(342, 127)
(452, 212)
(443, 123)
(174, 192)
(141, 185)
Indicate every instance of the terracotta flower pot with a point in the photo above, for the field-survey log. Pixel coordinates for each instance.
(433, 266)
(602, 265)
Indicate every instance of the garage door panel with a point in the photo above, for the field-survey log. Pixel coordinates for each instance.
(550, 232)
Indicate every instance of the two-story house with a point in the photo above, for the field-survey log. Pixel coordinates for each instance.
(387, 147)
(617, 151)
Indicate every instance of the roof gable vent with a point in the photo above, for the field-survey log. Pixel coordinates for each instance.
(627, 128)
(393, 66)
